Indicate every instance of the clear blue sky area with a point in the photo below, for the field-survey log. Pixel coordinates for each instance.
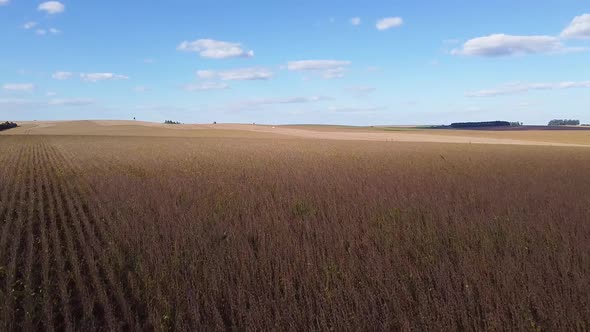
(339, 62)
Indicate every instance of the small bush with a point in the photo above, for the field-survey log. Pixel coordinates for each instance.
(7, 125)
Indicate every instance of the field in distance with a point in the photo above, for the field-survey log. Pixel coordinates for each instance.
(227, 228)
(534, 136)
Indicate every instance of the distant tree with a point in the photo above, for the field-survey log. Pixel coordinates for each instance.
(480, 124)
(171, 122)
(516, 124)
(7, 125)
(564, 122)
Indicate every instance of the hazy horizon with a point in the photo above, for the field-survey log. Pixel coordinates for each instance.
(376, 63)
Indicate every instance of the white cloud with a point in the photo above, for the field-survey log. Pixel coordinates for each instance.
(242, 74)
(355, 21)
(19, 87)
(206, 74)
(286, 100)
(356, 109)
(361, 91)
(96, 77)
(4, 2)
(214, 49)
(29, 25)
(18, 104)
(206, 86)
(258, 103)
(50, 94)
(311, 65)
(52, 7)
(578, 28)
(505, 45)
(41, 32)
(388, 23)
(516, 88)
(328, 69)
(62, 75)
(334, 73)
(71, 102)
(54, 31)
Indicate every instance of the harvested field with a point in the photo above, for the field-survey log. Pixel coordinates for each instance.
(216, 233)
(346, 133)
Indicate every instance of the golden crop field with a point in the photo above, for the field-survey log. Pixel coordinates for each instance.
(243, 232)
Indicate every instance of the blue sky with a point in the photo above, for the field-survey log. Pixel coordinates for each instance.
(339, 62)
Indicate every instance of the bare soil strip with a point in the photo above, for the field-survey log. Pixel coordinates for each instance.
(393, 136)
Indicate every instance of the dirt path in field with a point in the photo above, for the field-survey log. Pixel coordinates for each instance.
(390, 136)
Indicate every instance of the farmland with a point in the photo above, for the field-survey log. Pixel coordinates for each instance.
(247, 230)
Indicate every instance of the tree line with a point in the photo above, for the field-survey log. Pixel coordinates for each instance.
(564, 122)
(7, 125)
(480, 124)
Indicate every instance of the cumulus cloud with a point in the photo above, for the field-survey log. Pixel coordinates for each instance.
(97, 77)
(579, 28)
(19, 87)
(388, 23)
(206, 86)
(328, 69)
(62, 75)
(355, 21)
(71, 102)
(516, 88)
(242, 74)
(498, 45)
(52, 7)
(29, 25)
(215, 49)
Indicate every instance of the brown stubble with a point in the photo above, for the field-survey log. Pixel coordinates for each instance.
(295, 213)
(259, 234)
